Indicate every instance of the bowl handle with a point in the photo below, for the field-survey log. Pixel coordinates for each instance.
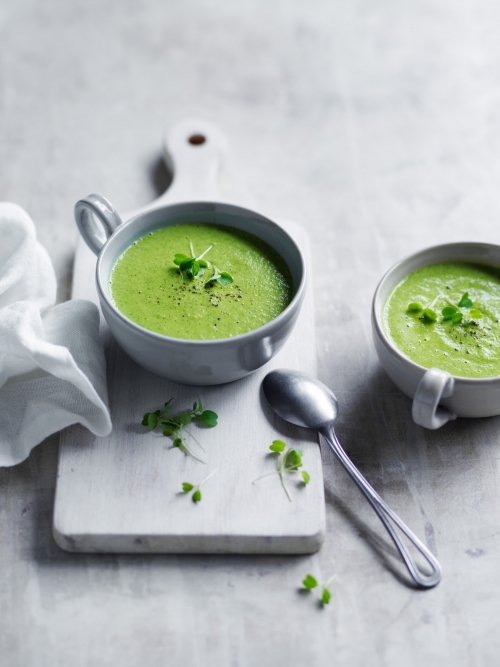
(94, 235)
(434, 386)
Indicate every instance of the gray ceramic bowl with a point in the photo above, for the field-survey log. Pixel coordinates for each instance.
(437, 395)
(188, 361)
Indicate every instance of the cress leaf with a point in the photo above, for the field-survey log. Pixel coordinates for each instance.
(167, 431)
(167, 405)
(457, 317)
(429, 314)
(306, 477)
(325, 598)
(196, 496)
(202, 263)
(153, 420)
(195, 405)
(177, 442)
(414, 307)
(292, 459)
(209, 417)
(309, 582)
(277, 446)
(448, 312)
(476, 314)
(213, 279)
(180, 258)
(465, 302)
(224, 279)
(186, 487)
(184, 418)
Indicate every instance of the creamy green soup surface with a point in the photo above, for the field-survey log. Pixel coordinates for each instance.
(148, 287)
(468, 346)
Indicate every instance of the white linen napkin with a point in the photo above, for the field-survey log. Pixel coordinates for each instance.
(52, 366)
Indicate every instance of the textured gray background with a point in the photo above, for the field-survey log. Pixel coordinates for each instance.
(377, 125)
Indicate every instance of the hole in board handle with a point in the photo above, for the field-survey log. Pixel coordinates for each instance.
(197, 139)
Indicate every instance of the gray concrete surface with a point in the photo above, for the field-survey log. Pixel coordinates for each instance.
(377, 125)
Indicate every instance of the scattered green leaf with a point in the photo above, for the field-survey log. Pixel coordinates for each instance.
(173, 425)
(209, 417)
(187, 487)
(476, 314)
(289, 462)
(150, 420)
(309, 582)
(325, 598)
(457, 318)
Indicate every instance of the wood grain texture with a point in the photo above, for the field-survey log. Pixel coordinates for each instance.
(123, 492)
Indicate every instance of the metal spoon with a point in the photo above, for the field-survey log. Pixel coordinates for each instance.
(305, 401)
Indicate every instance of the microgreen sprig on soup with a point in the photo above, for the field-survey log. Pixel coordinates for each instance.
(194, 267)
(289, 461)
(450, 313)
(173, 425)
(187, 487)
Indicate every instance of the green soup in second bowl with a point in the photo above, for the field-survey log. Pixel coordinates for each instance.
(150, 289)
(447, 316)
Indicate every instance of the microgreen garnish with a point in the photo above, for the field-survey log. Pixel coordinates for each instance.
(450, 312)
(187, 487)
(191, 266)
(465, 302)
(414, 307)
(221, 277)
(194, 267)
(289, 461)
(429, 314)
(173, 425)
(311, 582)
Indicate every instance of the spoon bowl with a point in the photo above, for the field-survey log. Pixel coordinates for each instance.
(303, 400)
(300, 399)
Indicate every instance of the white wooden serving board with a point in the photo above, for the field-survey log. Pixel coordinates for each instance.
(123, 493)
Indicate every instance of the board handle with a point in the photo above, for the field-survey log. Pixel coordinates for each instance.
(194, 150)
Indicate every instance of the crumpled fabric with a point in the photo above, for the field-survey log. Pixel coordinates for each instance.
(52, 365)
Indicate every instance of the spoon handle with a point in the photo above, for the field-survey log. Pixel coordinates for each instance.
(386, 515)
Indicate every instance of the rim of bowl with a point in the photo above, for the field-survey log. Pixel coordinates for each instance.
(248, 335)
(379, 325)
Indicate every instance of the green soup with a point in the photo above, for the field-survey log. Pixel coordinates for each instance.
(464, 339)
(149, 288)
